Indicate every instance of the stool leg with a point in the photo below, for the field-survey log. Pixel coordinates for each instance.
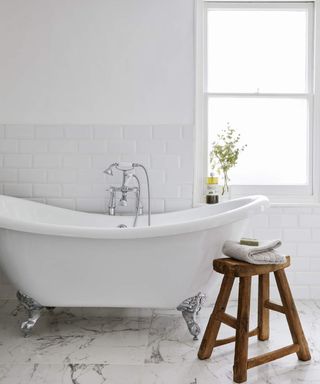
(263, 313)
(242, 331)
(211, 333)
(295, 327)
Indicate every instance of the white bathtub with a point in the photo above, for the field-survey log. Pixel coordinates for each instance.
(61, 257)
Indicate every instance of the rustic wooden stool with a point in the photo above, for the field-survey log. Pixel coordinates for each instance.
(231, 269)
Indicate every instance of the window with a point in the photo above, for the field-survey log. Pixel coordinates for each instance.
(258, 77)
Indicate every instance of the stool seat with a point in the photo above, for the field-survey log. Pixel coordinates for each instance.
(232, 269)
(238, 268)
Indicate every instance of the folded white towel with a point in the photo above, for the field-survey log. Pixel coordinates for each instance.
(261, 254)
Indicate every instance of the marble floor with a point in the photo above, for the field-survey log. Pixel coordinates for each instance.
(118, 346)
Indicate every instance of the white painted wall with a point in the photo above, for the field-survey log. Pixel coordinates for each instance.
(96, 62)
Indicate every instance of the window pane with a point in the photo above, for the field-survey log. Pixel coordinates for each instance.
(257, 50)
(275, 131)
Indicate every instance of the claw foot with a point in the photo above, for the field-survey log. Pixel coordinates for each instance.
(189, 308)
(34, 312)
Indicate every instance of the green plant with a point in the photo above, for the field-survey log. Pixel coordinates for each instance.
(225, 153)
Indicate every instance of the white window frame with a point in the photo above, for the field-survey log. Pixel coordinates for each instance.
(278, 194)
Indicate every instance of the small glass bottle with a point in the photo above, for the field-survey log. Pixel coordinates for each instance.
(212, 196)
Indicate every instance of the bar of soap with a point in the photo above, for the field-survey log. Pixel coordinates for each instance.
(252, 242)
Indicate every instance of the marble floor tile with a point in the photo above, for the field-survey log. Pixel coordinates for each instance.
(63, 337)
(200, 372)
(117, 346)
(70, 374)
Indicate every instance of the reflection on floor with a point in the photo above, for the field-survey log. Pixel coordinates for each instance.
(93, 346)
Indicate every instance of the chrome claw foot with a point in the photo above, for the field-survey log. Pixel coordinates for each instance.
(34, 312)
(27, 326)
(189, 308)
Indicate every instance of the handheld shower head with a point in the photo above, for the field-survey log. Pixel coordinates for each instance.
(122, 166)
(125, 166)
(109, 171)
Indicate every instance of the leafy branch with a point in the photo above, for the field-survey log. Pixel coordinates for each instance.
(225, 153)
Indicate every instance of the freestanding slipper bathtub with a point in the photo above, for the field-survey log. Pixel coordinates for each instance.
(59, 257)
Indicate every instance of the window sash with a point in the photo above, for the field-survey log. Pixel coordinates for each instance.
(272, 190)
(276, 5)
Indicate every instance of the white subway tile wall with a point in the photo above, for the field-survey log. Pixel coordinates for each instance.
(299, 229)
(62, 166)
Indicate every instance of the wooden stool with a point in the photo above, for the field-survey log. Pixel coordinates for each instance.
(231, 269)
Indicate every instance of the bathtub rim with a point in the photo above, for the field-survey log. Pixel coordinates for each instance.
(255, 204)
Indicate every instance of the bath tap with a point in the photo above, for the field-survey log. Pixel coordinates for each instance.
(128, 174)
(124, 189)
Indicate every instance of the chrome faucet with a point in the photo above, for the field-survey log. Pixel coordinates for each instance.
(128, 174)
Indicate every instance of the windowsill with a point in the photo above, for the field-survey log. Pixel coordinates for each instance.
(290, 201)
(297, 204)
(282, 201)
(283, 204)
